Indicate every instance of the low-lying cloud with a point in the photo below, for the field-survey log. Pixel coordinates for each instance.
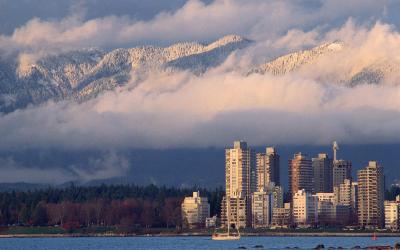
(107, 165)
(179, 109)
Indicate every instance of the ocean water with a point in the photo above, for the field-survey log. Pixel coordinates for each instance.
(99, 243)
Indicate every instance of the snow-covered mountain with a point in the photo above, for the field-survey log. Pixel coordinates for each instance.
(85, 73)
(293, 61)
(373, 73)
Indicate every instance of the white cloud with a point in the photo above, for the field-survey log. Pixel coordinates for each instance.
(260, 20)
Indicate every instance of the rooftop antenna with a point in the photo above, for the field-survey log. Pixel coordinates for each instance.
(335, 147)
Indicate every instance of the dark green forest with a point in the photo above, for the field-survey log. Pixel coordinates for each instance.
(125, 206)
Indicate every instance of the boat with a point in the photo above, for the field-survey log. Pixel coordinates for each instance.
(227, 235)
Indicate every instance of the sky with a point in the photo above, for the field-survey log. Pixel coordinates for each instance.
(183, 110)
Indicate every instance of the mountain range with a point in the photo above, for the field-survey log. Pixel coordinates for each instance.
(83, 74)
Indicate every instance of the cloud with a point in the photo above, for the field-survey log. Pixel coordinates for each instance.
(178, 109)
(183, 110)
(195, 20)
(108, 165)
(13, 172)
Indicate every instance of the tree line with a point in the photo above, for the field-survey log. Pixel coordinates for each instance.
(125, 206)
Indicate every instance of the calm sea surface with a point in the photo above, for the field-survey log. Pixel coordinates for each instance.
(191, 243)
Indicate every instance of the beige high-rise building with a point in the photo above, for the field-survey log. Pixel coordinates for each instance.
(240, 170)
(300, 174)
(195, 210)
(341, 172)
(322, 172)
(371, 196)
(305, 208)
(344, 195)
(267, 168)
(241, 182)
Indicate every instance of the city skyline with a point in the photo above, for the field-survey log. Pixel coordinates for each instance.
(321, 191)
(222, 119)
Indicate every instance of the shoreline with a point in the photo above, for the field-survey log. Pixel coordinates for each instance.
(266, 234)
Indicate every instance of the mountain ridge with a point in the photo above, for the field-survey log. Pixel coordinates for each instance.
(83, 74)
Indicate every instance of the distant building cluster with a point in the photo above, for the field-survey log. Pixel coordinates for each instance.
(321, 193)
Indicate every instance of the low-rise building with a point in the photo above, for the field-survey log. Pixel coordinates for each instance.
(282, 216)
(330, 211)
(211, 221)
(326, 208)
(392, 214)
(238, 212)
(195, 210)
(305, 208)
(261, 208)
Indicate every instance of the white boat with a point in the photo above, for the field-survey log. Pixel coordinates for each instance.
(225, 236)
(228, 235)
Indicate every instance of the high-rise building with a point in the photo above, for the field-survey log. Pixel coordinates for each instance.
(344, 196)
(261, 208)
(277, 196)
(240, 170)
(195, 210)
(305, 208)
(322, 172)
(241, 182)
(371, 196)
(354, 202)
(392, 214)
(341, 172)
(300, 174)
(268, 168)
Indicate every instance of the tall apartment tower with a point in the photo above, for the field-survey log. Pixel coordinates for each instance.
(354, 202)
(322, 172)
(300, 174)
(240, 170)
(371, 196)
(341, 172)
(268, 168)
(240, 179)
